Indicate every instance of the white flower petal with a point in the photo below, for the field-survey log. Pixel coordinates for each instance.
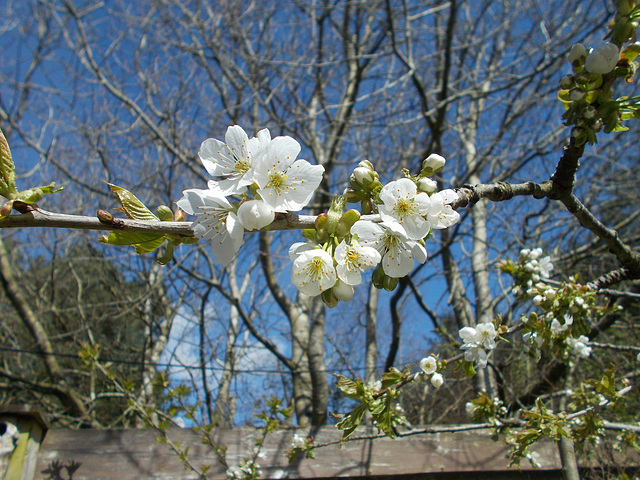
(313, 272)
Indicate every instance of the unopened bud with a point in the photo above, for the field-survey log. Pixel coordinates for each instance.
(343, 291)
(179, 215)
(164, 213)
(432, 164)
(566, 82)
(427, 186)
(5, 210)
(255, 214)
(363, 175)
(577, 55)
(353, 196)
(602, 59)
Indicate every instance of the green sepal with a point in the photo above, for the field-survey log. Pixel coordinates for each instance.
(630, 52)
(133, 207)
(309, 234)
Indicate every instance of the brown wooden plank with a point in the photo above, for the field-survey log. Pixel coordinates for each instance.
(135, 454)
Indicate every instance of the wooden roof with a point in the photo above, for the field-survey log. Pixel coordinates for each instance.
(136, 455)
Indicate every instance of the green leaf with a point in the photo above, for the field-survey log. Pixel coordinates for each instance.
(385, 420)
(350, 388)
(132, 238)
(133, 207)
(352, 421)
(7, 169)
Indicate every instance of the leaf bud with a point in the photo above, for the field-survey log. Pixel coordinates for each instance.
(104, 217)
(378, 277)
(164, 213)
(179, 215)
(5, 210)
(31, 195)
(432, 164)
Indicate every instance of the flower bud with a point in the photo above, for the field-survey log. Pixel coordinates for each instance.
(343, 291)
(576, 95)
(363, 175)
(255, 214)
(427, 186)
(432, 164)
(602, 59)
(577, 55)
(566, 82)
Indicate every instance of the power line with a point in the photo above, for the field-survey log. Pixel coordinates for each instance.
(175, 365)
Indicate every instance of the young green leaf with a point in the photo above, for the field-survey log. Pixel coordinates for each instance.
(133, 207)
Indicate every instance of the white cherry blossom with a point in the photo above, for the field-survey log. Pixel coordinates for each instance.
(476, 340)
(390, 240)
(440, 214)
(230, 161)
(437, 380)
(285, 184)
(429, 365)
(353, 259)
(403, 204)
(215, 221)
(313, 272)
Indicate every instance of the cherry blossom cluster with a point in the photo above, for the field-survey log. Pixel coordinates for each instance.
(568, 310)
(429, 367)
(477, 341)
(262, 172)
(253, 179)
(342, 246)
(587, 93)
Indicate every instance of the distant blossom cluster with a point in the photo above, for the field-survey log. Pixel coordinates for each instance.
(253, 179)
